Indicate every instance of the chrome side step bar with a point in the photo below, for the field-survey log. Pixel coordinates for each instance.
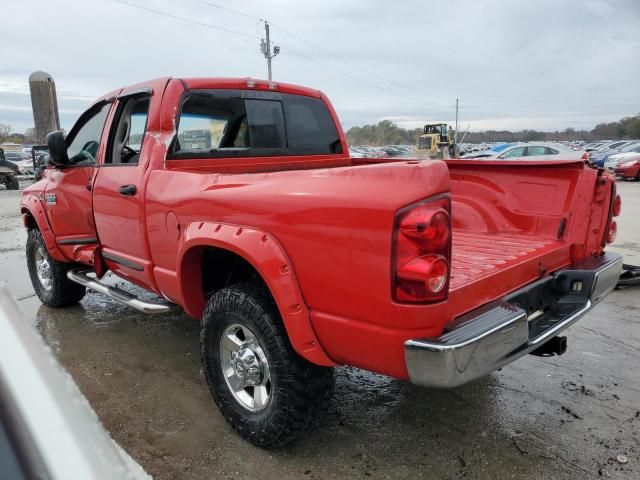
(80, 276)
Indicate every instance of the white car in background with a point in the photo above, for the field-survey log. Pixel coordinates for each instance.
(532, 151)
(25, 166)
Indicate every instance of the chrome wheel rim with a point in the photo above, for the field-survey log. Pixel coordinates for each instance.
(43, 269)
(245, 367)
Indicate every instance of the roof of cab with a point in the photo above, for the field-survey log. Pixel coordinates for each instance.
(247, 84)
(203, 83)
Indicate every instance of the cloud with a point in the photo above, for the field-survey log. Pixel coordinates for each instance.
(546, 64)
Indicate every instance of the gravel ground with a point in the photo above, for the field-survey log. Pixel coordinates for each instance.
(539, 418)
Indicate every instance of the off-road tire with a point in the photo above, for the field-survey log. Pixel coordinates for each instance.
(63, 292)
(300, 390)
(12, 183)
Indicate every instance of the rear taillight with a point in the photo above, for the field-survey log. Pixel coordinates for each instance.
(617, 206)
(612, 231)
(422, 252)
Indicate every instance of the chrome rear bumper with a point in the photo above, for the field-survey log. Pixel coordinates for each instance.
(498, 333)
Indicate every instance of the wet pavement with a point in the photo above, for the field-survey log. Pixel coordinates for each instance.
(539, 418)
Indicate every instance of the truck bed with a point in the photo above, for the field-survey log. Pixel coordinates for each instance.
(476, 256)
(514, 221)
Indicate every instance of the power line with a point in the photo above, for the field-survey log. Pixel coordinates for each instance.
(324, 65)
(347, 62)
(185, 19)
(220, 7)
(317, 47)
(208, 25)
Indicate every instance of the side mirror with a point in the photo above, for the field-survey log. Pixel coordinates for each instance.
(57, 149)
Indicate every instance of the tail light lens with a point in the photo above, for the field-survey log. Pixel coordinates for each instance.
(428, 225)
(617, 206)
(612, 232)
(422, 252)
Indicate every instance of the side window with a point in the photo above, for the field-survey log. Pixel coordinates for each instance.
(535, 151)
(550, 151)
(84, 142)
(515, 152)
(128, 132)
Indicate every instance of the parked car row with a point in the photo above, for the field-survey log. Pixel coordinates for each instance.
(360, 151)
(620, 157)
(600, 156)
(27, 164)
(22, 160)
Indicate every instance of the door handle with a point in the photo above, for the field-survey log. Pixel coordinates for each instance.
(129, 190)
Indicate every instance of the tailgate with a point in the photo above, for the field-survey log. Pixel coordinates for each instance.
(515, 222)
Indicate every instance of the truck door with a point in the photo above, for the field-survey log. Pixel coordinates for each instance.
(118, 190)
(67, 196)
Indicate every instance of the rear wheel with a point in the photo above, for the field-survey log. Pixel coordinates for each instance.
(265, 390)
(48, 276)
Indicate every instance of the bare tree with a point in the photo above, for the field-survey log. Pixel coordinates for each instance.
(5, 131)
(30, 135)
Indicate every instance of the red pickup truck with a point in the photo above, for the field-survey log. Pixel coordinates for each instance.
(237, 200)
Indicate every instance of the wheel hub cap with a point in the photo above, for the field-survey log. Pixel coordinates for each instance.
(43, 269)
(245, 367)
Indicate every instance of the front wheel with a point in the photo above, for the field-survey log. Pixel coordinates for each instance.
(48, 276)
(265, 390)
(12, 183)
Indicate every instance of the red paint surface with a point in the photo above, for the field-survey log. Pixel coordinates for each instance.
(629, 171)
(319, 229)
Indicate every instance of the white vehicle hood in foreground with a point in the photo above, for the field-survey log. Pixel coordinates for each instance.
(65, 439)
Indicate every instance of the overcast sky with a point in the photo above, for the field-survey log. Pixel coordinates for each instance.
(543, 64)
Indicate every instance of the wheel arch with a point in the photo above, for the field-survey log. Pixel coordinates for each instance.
(33, 216)
(262, 253)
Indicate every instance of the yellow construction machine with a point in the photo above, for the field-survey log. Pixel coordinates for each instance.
(437, 142)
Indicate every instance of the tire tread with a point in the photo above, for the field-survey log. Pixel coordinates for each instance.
(308, 386)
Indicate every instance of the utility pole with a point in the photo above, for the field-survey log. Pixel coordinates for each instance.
(265, 48)
(455, 135)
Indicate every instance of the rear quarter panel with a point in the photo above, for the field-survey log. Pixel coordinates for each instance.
(334, 224)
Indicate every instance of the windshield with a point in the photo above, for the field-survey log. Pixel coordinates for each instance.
(499, 148)
(630, 147)
(613, 146)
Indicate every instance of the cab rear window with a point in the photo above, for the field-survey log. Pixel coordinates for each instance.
(222, 124)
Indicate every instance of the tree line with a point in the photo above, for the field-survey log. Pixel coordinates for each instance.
(7, 135)
(388, 133)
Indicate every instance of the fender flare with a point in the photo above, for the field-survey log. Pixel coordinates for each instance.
(267, 256)
(31, 206)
